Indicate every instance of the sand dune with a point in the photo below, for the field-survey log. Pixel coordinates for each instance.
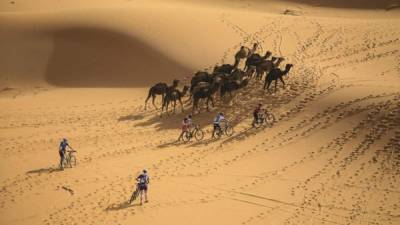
(82, 70)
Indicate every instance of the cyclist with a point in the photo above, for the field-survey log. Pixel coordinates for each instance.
(217, 122)
(62, 149)
(143, 182)
(185, 127)
(256, 113)
(190, 122)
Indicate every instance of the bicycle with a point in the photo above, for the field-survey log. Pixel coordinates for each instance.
(135, 194)
(264, 118)
(196, 132)
(227, 129)
(69, 159)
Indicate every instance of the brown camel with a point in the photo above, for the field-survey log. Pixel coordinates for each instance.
(276, 74)
(159, 89)
(206, 91)
(255, 59)
(232, 85)
(173, 96)
(267, 65)
(244, 53)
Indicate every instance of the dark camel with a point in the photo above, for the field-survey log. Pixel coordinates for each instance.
(172, 97)
(225, 69)
(159, 89)
(207, 91)
(244, 53)
(267, 65)
(276, 74)
(230, 86)
(255, 59)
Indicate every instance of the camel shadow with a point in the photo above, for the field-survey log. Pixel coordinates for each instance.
(174, 121)
(45, 170)
(131, 117)
(120, 206)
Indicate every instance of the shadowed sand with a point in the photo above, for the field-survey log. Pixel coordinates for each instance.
(94, 57)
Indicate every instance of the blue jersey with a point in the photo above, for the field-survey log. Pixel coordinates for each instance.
(143, 179)
(63, 145)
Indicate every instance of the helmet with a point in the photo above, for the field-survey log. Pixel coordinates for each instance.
(259, 104)
(221, 113)
(65, 140)
(144, 171)
(190, 116)
(185, 118)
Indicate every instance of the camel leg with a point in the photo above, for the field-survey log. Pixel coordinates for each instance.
(180, 101)
(236, 64)
(147, 99)
(276, 84)
(195, 102)
(269, 83)
(154, 98)
(174, 106)
(265, 84)
(283, 82)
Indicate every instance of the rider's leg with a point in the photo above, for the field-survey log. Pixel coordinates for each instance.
(215, 127)
(145, 195)
(61, 159)
(141, 196)
(181, 135)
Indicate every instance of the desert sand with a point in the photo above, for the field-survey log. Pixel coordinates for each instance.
(82, 70)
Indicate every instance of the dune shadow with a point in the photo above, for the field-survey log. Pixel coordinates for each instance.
(45, 170)
(356, 4)
(98, 57)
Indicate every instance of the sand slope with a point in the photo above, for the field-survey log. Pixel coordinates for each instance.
(332, 157)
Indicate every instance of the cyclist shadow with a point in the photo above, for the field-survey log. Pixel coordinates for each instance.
(45, 170)
(120, 206)
(171, 143)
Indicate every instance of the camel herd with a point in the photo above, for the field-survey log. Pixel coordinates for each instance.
(225, 78)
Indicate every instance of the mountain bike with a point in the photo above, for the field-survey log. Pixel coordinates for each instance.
(69, 159)
(226, 129)
(135, 194)
(264, 119)
(196, 132)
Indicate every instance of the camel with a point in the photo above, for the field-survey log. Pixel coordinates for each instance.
(267, 65)
(207, 91)
(173, 96)
(226, 69)
(276, 74)
(159, 89)
(200, 77)
(256, 59)
(230, 86)
(244, 53)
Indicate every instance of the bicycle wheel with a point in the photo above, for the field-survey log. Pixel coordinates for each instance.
(186, 136)
(228, 131)
(269, 119)
(64, 163)
(72, 161)
(217, 133)
(257, 123)
(134, 195)
(199, 134)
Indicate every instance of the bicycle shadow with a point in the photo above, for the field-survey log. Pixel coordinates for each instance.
(45, 170)
(120, 206)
